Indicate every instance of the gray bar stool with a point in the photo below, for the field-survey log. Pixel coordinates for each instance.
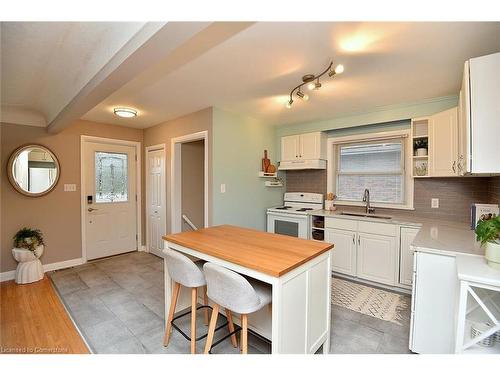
(184, 272)
(236, 294)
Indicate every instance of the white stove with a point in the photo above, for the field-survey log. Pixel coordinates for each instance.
(291, 218)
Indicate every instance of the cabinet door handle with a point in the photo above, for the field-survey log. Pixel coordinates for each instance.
(359, 239)
(453, 166)
(354, 239)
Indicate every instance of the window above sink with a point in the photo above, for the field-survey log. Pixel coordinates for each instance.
(374, 161)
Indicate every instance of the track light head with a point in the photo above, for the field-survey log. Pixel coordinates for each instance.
(317, 85)
(289, 103)
(302, 96)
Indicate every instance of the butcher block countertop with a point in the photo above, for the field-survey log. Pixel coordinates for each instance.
(269, 253)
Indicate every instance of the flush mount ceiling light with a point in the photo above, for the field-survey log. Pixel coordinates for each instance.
(311, 85)
(125, 112)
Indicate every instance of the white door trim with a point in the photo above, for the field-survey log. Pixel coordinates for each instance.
(91, 139)
(157, 147)
(175, 181)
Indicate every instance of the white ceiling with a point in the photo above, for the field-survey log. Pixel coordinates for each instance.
(253, 72)
(45, 64)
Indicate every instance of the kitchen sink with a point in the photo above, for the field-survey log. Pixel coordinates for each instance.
(359, 214)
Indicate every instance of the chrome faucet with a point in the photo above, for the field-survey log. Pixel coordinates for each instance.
(366, 198)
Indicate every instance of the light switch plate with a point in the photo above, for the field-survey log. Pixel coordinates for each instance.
(222, 188)
(435, 203)
(69, 187)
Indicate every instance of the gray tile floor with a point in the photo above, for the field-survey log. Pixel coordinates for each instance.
(117, 304)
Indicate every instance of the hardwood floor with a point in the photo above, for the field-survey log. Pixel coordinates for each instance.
(33, 320)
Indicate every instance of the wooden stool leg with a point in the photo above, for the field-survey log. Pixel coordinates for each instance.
(173, 303)
(205, 302)
(244, 334)
(211, 328)
(194, 297)
(230, 326)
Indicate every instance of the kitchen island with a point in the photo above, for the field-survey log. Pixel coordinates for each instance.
(298, 271)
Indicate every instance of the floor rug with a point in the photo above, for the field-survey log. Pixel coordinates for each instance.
(370, 301)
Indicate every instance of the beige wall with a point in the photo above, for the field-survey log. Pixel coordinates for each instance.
(58, 213)
(163, 133)
(193, 171)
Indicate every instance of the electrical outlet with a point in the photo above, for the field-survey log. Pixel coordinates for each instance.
(222, 188)
(435, 203)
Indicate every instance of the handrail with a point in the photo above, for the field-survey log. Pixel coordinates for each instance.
(189, 222)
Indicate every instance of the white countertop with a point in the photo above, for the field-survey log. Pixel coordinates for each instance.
(435, 236)
(475, 269)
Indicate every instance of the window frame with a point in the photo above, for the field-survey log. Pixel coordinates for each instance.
(406, 159)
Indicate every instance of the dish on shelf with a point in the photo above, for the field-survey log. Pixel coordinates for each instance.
(477, 329)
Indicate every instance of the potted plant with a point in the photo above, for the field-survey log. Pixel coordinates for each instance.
(420, 146)
(488, 232)
(28, 247)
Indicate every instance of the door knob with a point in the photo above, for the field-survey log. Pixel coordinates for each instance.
(90, 209)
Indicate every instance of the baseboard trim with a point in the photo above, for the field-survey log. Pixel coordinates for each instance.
(10, 275)
(390, 288)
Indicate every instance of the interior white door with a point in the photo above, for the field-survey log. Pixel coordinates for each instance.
(156, 209)
(376, 258)
(344, 252)
(110, 195)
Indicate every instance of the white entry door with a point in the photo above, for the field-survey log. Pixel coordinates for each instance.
(156, 209)
(110, 199)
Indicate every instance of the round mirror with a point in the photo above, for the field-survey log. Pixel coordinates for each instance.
(33, 170)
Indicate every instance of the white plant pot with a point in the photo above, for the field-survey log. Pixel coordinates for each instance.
(421, 151)
(492, 255)
(29, 268)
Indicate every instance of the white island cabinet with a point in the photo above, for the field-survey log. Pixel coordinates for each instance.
(436, 285)
(298, 270)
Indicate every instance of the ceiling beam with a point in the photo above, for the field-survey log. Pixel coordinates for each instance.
(157, 47)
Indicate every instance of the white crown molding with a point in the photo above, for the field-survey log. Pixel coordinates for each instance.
(10, 275)
(17, 115)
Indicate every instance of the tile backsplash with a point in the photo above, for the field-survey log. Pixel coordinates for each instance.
(455, 194)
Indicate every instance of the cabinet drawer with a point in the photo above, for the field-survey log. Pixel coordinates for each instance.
(334, 223)
(377, 228)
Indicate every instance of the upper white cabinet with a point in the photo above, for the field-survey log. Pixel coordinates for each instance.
(309, 146)
(479, 108)
(312, 146)
(290, 147)
(443, 143)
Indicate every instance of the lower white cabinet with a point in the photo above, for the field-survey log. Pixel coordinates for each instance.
(376, 258)
(368, 250)
(434, 299)
(344, 253)
(406, 255)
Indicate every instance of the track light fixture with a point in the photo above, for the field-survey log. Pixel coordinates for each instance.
(311, 85)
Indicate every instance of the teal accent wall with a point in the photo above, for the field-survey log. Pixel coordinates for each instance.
(238, 147)
(380, 119)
